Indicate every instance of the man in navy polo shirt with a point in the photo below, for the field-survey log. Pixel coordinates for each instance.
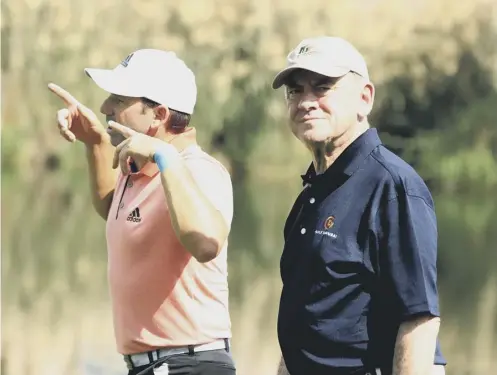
(359, 263)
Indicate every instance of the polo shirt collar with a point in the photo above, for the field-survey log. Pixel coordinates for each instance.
(180, 142)
(349, 160)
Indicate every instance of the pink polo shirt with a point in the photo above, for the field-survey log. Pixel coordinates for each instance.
(161, 296)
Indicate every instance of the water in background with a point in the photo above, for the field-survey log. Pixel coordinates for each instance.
(56, 317)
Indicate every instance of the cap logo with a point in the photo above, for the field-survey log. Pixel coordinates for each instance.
(125, 62)
(303, 49)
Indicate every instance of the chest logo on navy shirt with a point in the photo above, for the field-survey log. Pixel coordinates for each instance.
(328, 223)
(134, 216)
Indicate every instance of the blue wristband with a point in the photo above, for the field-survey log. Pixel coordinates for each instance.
(161, 160)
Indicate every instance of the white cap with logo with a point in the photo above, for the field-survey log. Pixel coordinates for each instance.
(325, 55)
(160, 76)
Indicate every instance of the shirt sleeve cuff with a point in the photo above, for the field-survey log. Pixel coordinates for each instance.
(421, 309)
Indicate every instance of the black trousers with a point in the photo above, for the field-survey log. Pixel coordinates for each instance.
(211, 362)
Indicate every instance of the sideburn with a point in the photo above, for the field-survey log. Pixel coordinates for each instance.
(151, 132)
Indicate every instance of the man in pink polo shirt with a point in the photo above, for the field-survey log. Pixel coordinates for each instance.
(168, 207)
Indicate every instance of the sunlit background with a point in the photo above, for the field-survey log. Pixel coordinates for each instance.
(434, 65)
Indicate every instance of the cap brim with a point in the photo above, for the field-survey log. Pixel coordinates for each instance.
(113, 83)
(328, 71)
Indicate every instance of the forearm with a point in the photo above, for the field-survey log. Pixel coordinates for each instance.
(200, 228)
(102, 176)
(282, 370)
(415, 346)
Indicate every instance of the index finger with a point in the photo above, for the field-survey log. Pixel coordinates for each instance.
(123, 130)
(67, 98)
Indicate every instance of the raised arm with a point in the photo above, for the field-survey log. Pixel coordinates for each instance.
(77, 122)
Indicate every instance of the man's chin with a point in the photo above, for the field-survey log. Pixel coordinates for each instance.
(312, 137)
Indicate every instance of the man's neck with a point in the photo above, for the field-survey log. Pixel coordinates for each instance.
(325, 153)
(181, 140)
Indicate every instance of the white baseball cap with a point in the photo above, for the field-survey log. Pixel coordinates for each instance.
(325, 55)
(160, 76)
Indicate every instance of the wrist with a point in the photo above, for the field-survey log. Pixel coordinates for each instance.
(101, 140)
(164, 155)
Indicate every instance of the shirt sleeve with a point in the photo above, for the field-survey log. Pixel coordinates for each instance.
(215, 182)
(409, 252)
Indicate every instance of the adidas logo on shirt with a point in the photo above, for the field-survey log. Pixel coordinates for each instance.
(134, 216)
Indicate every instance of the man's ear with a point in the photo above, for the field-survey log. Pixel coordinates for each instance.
(367, 100)
(161, 113)
(161, 116)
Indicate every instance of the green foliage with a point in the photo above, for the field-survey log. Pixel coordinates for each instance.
(462, 155)
(444, 122)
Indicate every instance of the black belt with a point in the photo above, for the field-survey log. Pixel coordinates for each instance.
(159, 356)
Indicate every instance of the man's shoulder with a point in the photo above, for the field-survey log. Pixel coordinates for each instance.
(398, 176)
(195, 155)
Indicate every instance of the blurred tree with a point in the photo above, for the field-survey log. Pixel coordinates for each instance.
(440, 103)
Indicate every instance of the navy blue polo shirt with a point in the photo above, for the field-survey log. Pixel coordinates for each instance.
(359, 259)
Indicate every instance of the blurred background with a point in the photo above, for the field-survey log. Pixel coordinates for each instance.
(434, 65)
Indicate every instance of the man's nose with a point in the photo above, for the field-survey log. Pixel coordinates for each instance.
(106, 108)
(308, 102)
